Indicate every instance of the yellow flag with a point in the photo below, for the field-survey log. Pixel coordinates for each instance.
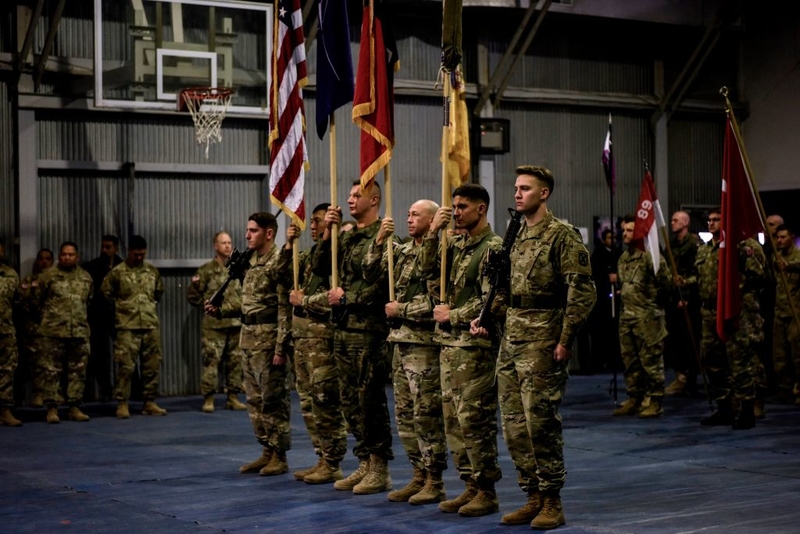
(458, 136)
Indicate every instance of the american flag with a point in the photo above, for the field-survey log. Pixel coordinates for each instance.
(287, 143)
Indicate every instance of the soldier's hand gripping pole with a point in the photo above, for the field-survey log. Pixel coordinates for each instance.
(497, 266)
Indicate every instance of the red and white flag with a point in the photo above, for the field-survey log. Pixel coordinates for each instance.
(649, 219)
(288, 155)
(741, 219)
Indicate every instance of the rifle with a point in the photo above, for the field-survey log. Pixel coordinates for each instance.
(237, 264)
(498, 263)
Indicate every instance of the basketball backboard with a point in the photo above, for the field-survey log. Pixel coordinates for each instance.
(148, 50)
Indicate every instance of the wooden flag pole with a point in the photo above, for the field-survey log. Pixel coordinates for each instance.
(296, 264)
(334, 194)
(446, 200)
(387, 184)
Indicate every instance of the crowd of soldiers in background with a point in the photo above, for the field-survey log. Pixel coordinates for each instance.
(449, 371)
(672, 316)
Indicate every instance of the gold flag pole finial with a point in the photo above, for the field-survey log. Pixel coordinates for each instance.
(724, 92)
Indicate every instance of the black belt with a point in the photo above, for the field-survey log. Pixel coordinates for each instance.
(540, 302)
(260, 318)
(710, 304)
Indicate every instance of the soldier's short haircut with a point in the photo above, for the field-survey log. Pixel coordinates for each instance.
(320, 207)
(604, 233)
(45, 250)
(72, 244)
(541, 173)
(376, 187)
(716, 210)
(137, 242)
(629, 218)
(216, 236)
(112, 238)
(264, 220)
(474, 192)
(783, 227)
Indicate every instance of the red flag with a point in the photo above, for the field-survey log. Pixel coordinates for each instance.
(741, 219)
(373, 104)
(648, 219)
(287, 142)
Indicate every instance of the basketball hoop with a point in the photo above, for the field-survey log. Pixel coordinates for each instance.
(208, 106)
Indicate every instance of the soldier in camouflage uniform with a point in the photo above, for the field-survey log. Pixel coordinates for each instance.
(9, 299)
(642, 328)
(469, 393)
(359, 341)
(416, 372)
(133, 288)
(317, 380)
(64, 293)
(265, 369)
(786, 333)
(219, 338)
(32, 316)
(551, 296)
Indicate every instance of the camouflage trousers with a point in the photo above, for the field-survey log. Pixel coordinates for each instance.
(362, 367)
(714, 356)
(318, 389)
(786, 354)
(133, 345)
(531, 386)
(417, 384)
(469, 405)
(8, 364)
(642, 347)
(268, 403)
(64, 356)
(221, 346)
(35, 365)
(747, 370)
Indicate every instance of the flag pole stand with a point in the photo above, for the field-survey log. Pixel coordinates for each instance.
(387, 183)
(334, 194)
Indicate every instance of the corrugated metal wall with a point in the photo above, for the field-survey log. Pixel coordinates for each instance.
(695, 161)
(7, 189)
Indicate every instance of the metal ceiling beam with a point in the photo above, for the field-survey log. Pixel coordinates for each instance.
(48, 45)
(29, 33)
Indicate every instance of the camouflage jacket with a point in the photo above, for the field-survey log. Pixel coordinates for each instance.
(9, 298)
(208, 278)
(30, 305)
(706, 273)
(753, 273)
(414, 293)
(316, 322)
(64, 300)
(461, 249)
(685, 254)
(551, 274)
(782, 307)
(260, 297)
(365, 302)
(642, 291)
(134, 293)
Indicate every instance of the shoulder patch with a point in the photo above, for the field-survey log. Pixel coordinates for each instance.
(583, 259)
(748, 251)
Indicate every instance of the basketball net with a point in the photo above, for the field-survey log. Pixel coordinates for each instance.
(207, 106)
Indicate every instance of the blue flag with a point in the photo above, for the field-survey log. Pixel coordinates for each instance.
(334, 61)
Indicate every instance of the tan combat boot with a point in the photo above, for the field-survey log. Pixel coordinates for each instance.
(678, 386)
(151, 408)
(452, 506)
(432, 492)
(75, 414)
(378, 478)
(7, 418)
(303, 473)
(759, 411)
(38, 400)
(233, 403)
(122, 410)
(529, 510)
(277, 465)
(325, 474)
(484, 503)
(552, 515)
(208, 403)
(651, 408)
(347, 484)
(629, 407)
(52, 415)
(414, 486)
(257, 464)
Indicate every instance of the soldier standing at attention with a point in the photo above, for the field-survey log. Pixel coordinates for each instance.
(359, 340)
(642, 329)
(29, 291)
(64, 294)
(317, 380)
(551, 296)
(469, 394)
(265, 370)
(9, 299)
(219, 338)
(134, 287)
(786, 337)
(416, 371)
